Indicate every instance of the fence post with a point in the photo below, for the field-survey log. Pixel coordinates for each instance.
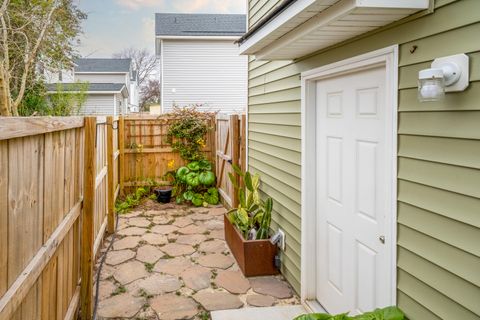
(89, 176)
(235, 147)
(110, 168)
(121, 147)
(243, 145)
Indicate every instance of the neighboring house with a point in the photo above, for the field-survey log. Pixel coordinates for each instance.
(113, 85)
(378, 193)
(199, 62)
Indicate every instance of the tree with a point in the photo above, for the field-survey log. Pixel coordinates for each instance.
(149, 93)
(144, 62)
(32, 33)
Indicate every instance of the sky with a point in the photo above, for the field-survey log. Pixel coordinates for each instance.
(113, 25)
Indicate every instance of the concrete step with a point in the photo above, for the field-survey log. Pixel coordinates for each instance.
(267, 313)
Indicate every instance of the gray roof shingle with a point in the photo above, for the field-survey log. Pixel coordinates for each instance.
(102, 65)
(92, 87)
(175, 24)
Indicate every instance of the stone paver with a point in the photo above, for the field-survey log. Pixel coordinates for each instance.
(132, 214)
(155, 238)
(121, 306)
(106, 290)
(213, 246)
(213, 225)
(132, 231)
(217, 211)
(175, 250)
(191, 239)
(182, 222)
(126, 243)
(164, 229)
(171, 262)
(153, 213)
(217, 300)
(130, 271)
(117, 257)
(271, 286)
(173, 307)
(200, 217)
(162, 219)
(217, 234)
(260, 300)
(232, 281)
(197, 278)
(173, 266)
(216, 260)
(149, 254)
(107, 272)
(139, 222)
(155, 284)
(192, 229)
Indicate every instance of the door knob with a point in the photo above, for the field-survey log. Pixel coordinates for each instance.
(382, 239)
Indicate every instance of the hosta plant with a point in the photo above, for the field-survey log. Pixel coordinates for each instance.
(253, 215)
(194, 183)
(388, 313)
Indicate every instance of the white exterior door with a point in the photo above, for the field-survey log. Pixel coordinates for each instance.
(354, 181)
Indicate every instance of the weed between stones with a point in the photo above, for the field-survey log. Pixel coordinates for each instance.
(121, 289)
(149, 266)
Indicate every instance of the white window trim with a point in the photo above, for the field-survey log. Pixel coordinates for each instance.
(389, 58)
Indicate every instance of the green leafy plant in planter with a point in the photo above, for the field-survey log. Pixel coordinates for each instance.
(195, 183)
(253, 216)
(388, 313)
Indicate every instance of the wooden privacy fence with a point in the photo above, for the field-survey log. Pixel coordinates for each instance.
(145, 153)
(231, 150)
(59, 179)
(48, 234)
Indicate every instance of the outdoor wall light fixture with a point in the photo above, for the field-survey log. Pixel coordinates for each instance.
(447, 74)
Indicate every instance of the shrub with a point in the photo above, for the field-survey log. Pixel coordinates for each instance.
(187, 132)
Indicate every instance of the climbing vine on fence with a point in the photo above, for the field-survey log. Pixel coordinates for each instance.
(187, 132)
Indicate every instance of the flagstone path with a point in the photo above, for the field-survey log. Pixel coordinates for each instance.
(171, 262)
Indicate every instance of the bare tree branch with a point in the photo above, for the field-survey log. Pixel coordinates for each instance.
(145, 62)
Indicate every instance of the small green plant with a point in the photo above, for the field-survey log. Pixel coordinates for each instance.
(205, 315)
(145, 294)
(388, 313)
(253, 216)
(119, 290)
(132, 200)
(149, 266)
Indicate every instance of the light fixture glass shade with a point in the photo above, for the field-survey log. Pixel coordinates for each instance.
(431, 85)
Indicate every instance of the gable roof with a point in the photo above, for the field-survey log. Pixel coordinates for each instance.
(102, 65)
(176, 24)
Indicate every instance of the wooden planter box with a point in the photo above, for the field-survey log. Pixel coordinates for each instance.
(254, 257)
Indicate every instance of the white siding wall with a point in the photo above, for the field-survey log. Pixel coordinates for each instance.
(209, 72)
(101, 78)
(101, 104)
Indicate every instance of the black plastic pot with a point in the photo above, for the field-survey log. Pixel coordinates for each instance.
(164, 195)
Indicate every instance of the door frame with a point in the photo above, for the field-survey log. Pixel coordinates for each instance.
(387, 57)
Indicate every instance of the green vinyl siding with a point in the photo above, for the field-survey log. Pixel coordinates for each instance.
(257, 9)
(438, 157)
